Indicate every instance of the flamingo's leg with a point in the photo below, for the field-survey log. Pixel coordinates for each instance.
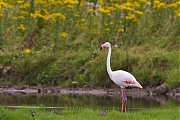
(124, 99)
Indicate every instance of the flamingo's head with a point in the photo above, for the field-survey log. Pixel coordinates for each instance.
(105, 45)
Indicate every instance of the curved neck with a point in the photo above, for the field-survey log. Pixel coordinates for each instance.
(108, 61)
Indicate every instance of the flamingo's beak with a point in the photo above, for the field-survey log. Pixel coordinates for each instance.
(100, 48)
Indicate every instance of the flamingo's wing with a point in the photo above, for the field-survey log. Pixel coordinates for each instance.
(123, 78)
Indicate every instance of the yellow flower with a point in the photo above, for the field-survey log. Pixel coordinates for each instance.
(120, 30)
(130, 16)
(177, 12)
(83, 20)
(136, 21)
(94, 32)
(111, 23)
(26, 5)
(21, 17)
(110, 8)
(40, 2)
(54, 16)
(101, 2)
(128, 9)
(81, 27)
(124, 8)
(70, 7)
(45, 12)
(37, 14)
(52, 2)
(139, 12)
(24, 13)
(59, 2)
(72, 2)
(64, 34)
(177, 3)
(173, 5)
(135, 4)
(109, 14)
(21, 27)
(119, 21)
(133, 18)
(101, 10)
(76, 15)
(161, 5)
(20, 1)
(143, 1)
(27, 51)
(107, 29)
(1, 15)
(90, 10)
(6, 5)
(128, 4)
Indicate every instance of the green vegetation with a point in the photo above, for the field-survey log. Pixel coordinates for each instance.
(90, 114)
(56, 42)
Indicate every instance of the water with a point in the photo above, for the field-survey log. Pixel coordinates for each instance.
(100, 102)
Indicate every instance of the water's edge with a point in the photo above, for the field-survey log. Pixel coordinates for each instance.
(26, 89)
(14, 96)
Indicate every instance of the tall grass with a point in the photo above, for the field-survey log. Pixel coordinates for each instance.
(89, 114)
(55, 42)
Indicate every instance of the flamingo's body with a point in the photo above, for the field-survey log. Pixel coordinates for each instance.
(120, 77)
(123, 79)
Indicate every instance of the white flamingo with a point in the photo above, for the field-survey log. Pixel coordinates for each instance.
(120, 77)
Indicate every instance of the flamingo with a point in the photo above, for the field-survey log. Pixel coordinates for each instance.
(120, 77)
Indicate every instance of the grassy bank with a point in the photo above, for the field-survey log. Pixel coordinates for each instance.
(89, 114)
(56, 42)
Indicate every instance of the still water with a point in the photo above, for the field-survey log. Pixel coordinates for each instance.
(100, 102)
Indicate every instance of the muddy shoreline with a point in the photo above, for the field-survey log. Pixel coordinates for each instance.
(42, 90)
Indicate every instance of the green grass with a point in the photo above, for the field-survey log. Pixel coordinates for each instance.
(63, 38)
(90, 114)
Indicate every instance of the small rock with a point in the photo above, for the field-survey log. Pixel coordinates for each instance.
(177, 94)
(103, 113)
(32, 113)
(162, 89)
(57, 112)
(178, 90)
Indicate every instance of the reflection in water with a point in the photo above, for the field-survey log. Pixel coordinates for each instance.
(102, 102)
